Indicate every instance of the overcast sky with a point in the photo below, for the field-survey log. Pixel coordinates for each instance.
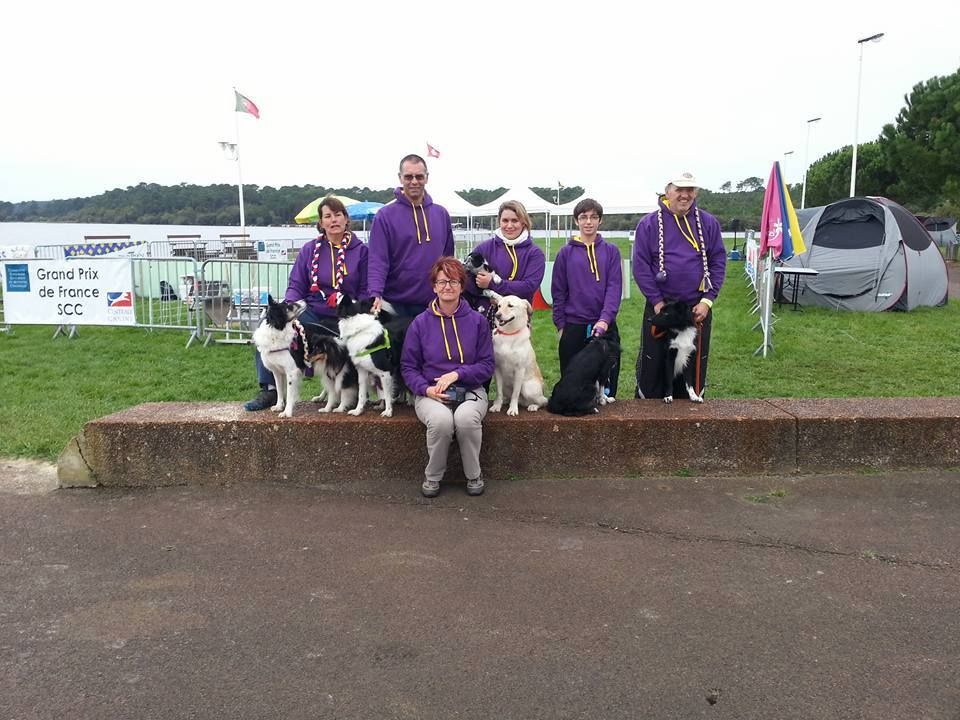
(614, 96)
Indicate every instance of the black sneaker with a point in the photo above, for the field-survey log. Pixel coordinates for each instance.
(266, 399)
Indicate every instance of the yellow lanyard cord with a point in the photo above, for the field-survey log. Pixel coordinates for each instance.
(592, 258)
(688, 234)
(443, 329)
(426, 227)
(513, 256)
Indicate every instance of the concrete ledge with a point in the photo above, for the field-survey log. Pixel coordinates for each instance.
(178, 443)
(857, 433)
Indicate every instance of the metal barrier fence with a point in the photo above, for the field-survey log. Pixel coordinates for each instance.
(231, 294)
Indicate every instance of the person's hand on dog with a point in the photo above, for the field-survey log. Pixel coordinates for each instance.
(600, 328)
(658, 307)
(484, 279)
(377, 302)
(700, 311)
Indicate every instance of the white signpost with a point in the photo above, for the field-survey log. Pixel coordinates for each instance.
(68, 292)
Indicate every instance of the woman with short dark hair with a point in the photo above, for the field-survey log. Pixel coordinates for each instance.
(447, 357)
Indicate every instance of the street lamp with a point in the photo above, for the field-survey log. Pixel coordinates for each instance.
(783, 170)
(806, 164)
(856, 122)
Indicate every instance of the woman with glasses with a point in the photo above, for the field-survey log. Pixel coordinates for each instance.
(587, 286)
(447, 357)
(516, 263)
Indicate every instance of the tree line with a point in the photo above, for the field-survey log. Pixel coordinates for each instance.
(915, 161)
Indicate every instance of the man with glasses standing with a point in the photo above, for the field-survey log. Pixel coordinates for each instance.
(587, 286)
(678, 255)
(407, 237)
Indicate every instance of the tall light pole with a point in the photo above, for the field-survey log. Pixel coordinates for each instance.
(806, 164)
(856, 122)
(783, 172)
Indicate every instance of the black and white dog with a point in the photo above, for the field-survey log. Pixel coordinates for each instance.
(374, 345)
(580, 390)
(273, 338)
(675, 319)
(331, 361)
(473, 264)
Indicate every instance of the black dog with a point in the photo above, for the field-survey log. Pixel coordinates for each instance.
(473, 264)
(580, 390)
(330, 360)
(675, 321)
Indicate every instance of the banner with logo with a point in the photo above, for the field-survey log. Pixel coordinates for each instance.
(68, 292)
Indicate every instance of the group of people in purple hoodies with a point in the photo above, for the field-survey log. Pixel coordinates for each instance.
(447, 359)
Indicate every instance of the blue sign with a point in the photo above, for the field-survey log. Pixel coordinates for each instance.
(18, 277)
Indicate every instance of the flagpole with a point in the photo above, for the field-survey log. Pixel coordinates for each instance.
(236, 124)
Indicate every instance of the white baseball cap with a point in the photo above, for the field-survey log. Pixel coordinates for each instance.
(685, 180)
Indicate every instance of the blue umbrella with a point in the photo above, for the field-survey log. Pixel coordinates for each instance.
(363, 210)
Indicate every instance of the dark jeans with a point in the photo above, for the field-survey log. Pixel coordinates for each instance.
(651, 360)
(575, 338)
(320, 323)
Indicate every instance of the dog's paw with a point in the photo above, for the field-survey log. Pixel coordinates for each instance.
(356, 412)
(324, 410)
(513, 411)
(496, 407)
(277, 408)
(387, 413)
(319, 398)
(696, 399)
(532, 408)
(287, 413)
(668, 399)
(340, 409)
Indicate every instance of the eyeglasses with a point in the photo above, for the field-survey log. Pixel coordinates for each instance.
(446, 283)
(585, 218)
(420, 177)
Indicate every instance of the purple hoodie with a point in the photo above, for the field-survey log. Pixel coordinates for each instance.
(354, 281)
(682, 262)
(404, 243)
(433, 344)
(530, 268)
(584, 292)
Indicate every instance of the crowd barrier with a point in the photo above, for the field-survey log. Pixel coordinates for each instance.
(213, 290)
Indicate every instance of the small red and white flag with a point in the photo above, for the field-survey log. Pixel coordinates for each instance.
(432, 151)
(245, 104)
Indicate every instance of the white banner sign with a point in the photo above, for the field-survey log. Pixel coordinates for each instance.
(68, 292)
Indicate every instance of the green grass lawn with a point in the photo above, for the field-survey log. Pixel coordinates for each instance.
(52, 387)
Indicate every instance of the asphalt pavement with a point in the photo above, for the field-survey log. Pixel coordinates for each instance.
(678, 597)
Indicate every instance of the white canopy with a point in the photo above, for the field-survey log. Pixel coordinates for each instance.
(454, 204)
(531, 201)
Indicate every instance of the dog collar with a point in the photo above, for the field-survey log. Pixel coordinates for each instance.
(498, 331)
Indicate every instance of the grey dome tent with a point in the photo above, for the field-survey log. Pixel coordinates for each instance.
(871, 254)
(944, 233)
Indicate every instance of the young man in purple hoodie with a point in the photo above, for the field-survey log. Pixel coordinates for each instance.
(407, 237)
(678, 255)
(587, 286)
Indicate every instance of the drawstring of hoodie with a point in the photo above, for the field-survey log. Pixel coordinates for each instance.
(592, 259)
(443, 328)
(426, 227)
(513, 256)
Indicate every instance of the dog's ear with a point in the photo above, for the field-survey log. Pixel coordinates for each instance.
(529, 309)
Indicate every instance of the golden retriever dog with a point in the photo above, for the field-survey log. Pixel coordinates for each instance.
(516, 371)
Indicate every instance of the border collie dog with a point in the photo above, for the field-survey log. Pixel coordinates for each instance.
(374, 346)
(331, 361)
(272, 338)
(474, 263)
(676, 320)
(580, 390)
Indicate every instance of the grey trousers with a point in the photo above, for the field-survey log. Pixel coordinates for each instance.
(443, 421)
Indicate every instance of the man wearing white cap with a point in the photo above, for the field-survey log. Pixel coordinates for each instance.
(678, 255)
